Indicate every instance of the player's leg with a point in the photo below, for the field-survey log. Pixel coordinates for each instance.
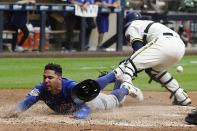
(172, 51)
(103, 102)
(171, 84)
(160, 54)
(140, 60)
(112, 76)
(130, 71)
(104, 80)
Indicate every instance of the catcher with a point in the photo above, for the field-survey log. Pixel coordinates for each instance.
(156, 48)
(65, 96)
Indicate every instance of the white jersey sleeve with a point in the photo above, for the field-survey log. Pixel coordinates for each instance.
(135, 31)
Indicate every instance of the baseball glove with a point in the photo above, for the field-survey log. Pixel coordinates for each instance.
(85, 91)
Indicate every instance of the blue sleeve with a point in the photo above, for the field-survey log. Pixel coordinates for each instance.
(26, 103)
(68, 84)
(137, 45)
(106, 79)
(30, 99)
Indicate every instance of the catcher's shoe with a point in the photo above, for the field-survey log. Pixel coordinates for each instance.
(181, 98)
(133, 91)
(191, 118)
(186, 102)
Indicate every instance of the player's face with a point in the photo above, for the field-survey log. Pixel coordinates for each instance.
(52, 81)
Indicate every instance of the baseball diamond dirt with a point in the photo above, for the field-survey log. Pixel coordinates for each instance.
(155, 113)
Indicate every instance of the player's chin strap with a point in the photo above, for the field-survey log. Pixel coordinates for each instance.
(167, 81)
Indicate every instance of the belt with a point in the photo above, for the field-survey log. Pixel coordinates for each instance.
(169, 34)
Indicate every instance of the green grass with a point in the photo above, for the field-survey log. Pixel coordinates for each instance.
(27, 72)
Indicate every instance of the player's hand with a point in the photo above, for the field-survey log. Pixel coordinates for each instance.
(82, 113)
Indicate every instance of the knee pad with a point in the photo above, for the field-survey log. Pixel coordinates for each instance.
(125, 68)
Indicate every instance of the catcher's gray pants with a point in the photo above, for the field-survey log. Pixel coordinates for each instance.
(103, 102)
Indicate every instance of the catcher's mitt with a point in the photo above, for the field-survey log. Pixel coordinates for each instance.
(85, 91)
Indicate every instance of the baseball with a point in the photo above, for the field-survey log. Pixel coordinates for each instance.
(179, 69)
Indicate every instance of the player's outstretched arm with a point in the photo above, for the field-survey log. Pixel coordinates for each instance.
(26, 103)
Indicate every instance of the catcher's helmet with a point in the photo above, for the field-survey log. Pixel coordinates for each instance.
(131, 16)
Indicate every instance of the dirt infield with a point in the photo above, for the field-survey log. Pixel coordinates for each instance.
(155, 113)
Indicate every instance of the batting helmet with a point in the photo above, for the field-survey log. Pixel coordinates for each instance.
(85, 91)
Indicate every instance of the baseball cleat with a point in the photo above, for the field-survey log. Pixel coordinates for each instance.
(133, 91)
(186, 102)
(181, 98)
(138, 94)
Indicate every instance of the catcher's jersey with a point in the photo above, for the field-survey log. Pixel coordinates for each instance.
(62, 103)
(135, 31)
(163, 46)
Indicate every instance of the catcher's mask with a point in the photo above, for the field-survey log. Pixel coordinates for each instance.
(85, 91)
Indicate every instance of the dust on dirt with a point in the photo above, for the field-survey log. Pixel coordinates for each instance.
(155, 113)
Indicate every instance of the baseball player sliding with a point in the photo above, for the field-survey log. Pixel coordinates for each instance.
(156, 48)
(64, 96)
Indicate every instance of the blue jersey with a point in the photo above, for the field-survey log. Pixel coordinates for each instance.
(61, 103)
